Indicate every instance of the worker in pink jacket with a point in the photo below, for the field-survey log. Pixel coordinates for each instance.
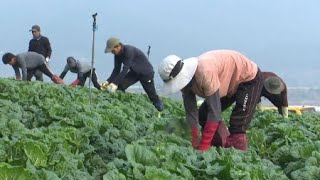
(220, 77)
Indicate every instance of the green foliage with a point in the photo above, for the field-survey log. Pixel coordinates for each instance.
(52, 132)
(13, 172)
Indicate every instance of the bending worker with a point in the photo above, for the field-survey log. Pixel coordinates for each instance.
(136, 67)
(275, 90)
(83, 71)
(218, 76)
(29, 62)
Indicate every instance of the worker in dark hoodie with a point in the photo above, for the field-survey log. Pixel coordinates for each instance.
(83, 71)
(136, 67)
(29, 63)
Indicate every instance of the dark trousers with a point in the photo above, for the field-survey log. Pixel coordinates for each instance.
(42, 68)
(246, 98)
(146, 82)
(94, 79)
(38, 75)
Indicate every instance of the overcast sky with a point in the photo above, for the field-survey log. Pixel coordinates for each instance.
(279, 35)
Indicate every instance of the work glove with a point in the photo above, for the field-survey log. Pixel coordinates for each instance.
(47, 59)
(104, 85)
(56, 79)
(74, 83)
(112, 87)
(194, 140)
(284, 111)
(207, 135)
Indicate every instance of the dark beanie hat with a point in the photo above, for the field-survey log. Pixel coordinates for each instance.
(71, 61)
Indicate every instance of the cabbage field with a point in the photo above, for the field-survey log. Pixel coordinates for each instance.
(51, 132)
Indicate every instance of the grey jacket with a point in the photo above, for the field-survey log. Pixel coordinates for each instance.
(81, 68)
(27, 61)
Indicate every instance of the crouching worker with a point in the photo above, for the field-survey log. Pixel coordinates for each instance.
(217, 76)
(275, 90)
(29, 63)
(83, 71)
(136, 67)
